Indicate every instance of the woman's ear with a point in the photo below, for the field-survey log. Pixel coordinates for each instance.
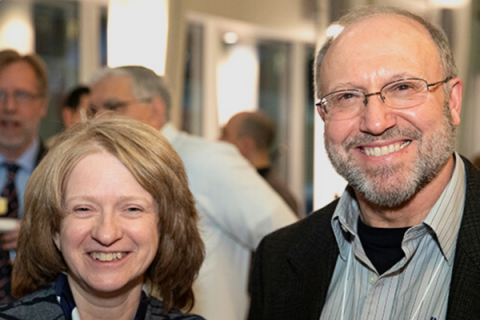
(56, 240)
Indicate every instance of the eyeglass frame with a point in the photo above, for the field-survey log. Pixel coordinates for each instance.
(367, 95)
(116, 105)
(28, 96)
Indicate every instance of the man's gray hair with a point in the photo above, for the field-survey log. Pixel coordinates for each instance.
(438, 36)
(145, 82)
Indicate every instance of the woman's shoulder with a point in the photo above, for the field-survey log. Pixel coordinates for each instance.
(42, 304)
(155, 312)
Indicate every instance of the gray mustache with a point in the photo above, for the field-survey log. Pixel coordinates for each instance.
(365, 138)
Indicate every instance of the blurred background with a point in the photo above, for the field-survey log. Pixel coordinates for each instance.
(225, 56)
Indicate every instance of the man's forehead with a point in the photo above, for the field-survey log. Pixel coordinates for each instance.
(385, 24)
(111, 87)
(19, 73)
(382, 43)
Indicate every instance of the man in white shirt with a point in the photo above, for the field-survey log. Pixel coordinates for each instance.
(236, 206)
(402, 242)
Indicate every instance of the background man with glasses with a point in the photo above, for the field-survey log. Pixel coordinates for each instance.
(23, 103)
(403, 240)
(236, 206)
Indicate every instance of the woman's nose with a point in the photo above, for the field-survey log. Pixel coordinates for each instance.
(107, 229)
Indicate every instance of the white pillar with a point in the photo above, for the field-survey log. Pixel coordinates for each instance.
(89, 40)
(296, 134)
(138, 33)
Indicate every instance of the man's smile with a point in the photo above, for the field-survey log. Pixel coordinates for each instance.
(384, 150)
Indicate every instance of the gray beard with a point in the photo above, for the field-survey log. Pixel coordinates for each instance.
(373, 183)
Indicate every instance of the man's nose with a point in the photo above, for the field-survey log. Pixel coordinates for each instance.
(376, 118)
(8, 103)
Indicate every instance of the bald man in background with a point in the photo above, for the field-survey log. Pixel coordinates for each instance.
(253, 134)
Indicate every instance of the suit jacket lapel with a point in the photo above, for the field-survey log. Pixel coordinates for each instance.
(313, 261)
(41, 153)
(464, 297)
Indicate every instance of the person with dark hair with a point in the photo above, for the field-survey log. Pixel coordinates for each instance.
(403, 240)
(253, 134)
(236, 206)
(23, 103)
(110, 227)
(74, 107)
(76, 103)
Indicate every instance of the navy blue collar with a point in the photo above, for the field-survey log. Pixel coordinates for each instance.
(67, 302)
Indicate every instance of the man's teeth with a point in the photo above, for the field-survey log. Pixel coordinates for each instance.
(382, 151)
(101, 256)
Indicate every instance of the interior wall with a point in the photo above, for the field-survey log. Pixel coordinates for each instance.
(175, 62)
(281, 15)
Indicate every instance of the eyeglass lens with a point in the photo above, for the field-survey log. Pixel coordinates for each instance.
(399, 95)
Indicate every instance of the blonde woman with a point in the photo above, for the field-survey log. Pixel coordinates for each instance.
(109, 225)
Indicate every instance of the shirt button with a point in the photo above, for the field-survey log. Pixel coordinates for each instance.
(372, 279)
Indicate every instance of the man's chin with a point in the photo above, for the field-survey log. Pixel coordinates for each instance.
(389, 195)
(13, 143)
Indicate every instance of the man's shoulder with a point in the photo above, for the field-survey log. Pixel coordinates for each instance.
(193, 147)
(307, 229)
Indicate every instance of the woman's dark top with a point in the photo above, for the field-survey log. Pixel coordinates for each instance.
(44, 304)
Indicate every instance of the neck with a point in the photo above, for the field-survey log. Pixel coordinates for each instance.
(12, 154)
(96, 306)
(259, 160)
(413, 211)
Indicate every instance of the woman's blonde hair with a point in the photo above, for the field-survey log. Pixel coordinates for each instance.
(157, 168)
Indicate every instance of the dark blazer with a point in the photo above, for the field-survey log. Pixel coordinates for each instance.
(42, 150)
(294, 266)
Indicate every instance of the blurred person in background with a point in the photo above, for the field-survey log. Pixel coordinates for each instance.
(23, 103)
(253, 134)
(76, 104)
(110, 228)
(236, 206)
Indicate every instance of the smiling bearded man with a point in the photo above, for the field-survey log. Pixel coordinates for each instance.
(403, 240)
(374, 183)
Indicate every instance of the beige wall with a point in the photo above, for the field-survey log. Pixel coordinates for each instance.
(290, 16)
(284, 14)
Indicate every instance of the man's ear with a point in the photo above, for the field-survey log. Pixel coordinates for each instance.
(159, 113)
(455, 99)
(321, 113)
(67, 117)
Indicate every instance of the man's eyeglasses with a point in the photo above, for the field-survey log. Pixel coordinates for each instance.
(115, 105)
(20, 97)
(400, 94)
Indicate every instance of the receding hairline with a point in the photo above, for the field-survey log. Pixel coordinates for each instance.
(417, 26)
(435, 33)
